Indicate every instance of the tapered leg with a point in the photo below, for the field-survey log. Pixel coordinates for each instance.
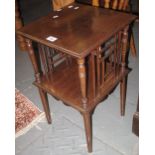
(88, 130)
(43, 96)
(98, 61)
(123, 67)
(122, 95)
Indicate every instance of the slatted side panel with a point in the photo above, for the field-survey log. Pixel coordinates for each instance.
(50, 58)
(108, 60)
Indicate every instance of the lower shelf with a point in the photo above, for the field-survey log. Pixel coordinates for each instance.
(64, 84)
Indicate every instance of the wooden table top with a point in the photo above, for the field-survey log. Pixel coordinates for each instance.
(78, 28)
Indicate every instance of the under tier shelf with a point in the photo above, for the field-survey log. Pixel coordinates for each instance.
(64, 84)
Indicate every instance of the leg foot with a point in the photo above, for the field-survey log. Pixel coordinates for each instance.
(123, 95)
(88, 130)
(43, 96)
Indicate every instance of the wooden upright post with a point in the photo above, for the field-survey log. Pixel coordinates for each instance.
(123, 66)
(43, 94)
(82, 76)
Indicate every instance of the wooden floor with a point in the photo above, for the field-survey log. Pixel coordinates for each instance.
(63, 83)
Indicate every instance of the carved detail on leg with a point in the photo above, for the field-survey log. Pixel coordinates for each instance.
(122, 96)
(18, 25)
(82, 76)
(45, 104)
(88, 130)
(124, 48)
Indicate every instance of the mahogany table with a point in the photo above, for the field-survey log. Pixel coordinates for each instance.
(80, 57)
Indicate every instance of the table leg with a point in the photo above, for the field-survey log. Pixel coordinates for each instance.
(33, 60)
(123, 95)
(43, 95)
(88, 130)
(82, 76)
(123, 66)
(86, 115)
(45, 104)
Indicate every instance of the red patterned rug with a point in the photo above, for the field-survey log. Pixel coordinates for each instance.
(26, 114)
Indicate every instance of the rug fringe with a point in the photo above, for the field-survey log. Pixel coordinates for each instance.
(31, 125)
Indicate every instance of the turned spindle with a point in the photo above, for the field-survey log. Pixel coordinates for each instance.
(92, 72)
(87, 117)
(98, 61)
(123, 66)
(124, 47)
(82, 76)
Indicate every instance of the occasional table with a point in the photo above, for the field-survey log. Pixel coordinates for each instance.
(80, 57)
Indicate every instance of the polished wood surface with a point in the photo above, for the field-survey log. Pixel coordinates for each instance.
(78, 31)
(86, 62)
(121, 5)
